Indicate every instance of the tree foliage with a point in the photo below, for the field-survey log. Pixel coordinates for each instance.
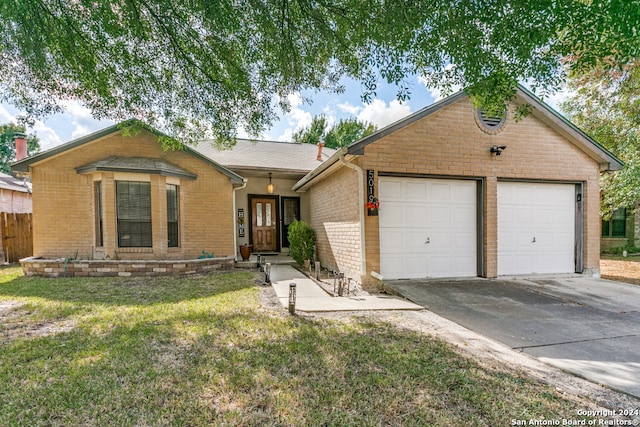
(339, 135)
(606, 104)
(8, 146)
(203, 68)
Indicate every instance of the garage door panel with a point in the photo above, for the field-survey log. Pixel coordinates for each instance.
(392, 265)
(521, 217)
(414, 215)
(536, 228)
(439, 192)
(433, 210)
(413, 191)
(461, 215)
(393, 241)
(466, 192)
(461, 241)
(440, 266)
(389, 190)
(414, 240)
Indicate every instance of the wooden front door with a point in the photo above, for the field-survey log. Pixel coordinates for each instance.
(263, 224)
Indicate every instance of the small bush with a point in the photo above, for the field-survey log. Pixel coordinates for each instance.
(302, 240)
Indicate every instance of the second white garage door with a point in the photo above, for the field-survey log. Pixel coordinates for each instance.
(536, 228)
(428, 227)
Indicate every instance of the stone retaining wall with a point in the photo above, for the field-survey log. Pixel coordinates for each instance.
(34, 266)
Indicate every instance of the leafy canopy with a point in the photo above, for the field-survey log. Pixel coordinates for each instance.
(8, 145)
(606, 104)
(202, 68)
(339, 135)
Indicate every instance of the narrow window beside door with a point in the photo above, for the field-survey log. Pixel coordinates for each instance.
(97, 198)
(173, 211)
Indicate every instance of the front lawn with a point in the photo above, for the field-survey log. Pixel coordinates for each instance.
(202, 351)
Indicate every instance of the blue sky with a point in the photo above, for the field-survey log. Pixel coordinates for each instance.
(77, 121)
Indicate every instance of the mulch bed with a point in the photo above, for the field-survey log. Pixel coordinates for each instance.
(621, 269)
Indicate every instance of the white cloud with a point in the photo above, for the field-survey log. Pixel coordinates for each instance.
(381, 115)
(77, 110)
(79, 131)
(347, 107)
(296, 118)
(47, 136)
(295, 99)
(287, 136)
(5, 116)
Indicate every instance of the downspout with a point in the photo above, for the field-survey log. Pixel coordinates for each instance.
(235, 229)
(360, 173)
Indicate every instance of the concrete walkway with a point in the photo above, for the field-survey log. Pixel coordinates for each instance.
(310, 297)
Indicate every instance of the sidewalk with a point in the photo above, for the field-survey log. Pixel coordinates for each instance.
(310, 297)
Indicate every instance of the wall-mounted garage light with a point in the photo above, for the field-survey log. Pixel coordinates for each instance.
(497, 149)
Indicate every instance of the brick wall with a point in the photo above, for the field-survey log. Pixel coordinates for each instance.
(105, 268)
(450, 143)
(63, 204)
(335, 218)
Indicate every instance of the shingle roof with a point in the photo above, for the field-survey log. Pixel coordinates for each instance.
(267, 155)
(7, 182)
(137, 164)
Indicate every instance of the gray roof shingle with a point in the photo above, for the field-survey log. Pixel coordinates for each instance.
(274, 156)
(8, 182)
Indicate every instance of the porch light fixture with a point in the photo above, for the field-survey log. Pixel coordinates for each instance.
(270, 185)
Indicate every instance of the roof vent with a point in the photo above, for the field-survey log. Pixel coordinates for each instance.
(490, 123)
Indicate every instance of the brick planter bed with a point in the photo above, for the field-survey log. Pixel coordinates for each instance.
(35, 266)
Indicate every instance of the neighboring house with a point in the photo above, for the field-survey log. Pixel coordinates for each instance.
(15, 205)
(462, 194)
(15, 194)
(622, 230)
(106, 196)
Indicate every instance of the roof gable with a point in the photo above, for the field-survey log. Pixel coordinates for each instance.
(542, 111)
(23, 165)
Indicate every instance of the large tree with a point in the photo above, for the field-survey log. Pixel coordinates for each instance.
(207, 68)
(606, 104)
(338, 135)
(8, 146)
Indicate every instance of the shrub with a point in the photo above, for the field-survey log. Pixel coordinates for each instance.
(302, 240)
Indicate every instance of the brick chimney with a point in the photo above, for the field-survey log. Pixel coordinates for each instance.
(320, 147)
(21, 146)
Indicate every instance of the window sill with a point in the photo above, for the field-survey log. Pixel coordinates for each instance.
(135, 250)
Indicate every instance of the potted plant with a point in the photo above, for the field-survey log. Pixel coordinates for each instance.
(372, 207)
(245, 251)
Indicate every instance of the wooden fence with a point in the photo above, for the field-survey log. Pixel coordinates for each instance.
(17, 236)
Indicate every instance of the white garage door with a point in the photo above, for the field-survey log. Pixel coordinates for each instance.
(428, 228)
(536, 228)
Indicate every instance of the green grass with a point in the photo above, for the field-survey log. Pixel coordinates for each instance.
(202, 351)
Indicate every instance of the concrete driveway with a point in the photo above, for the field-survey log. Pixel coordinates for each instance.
(587, 326)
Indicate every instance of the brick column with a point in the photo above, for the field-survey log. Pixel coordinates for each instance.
(159, 215)
(109, 215)
(490, 227)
